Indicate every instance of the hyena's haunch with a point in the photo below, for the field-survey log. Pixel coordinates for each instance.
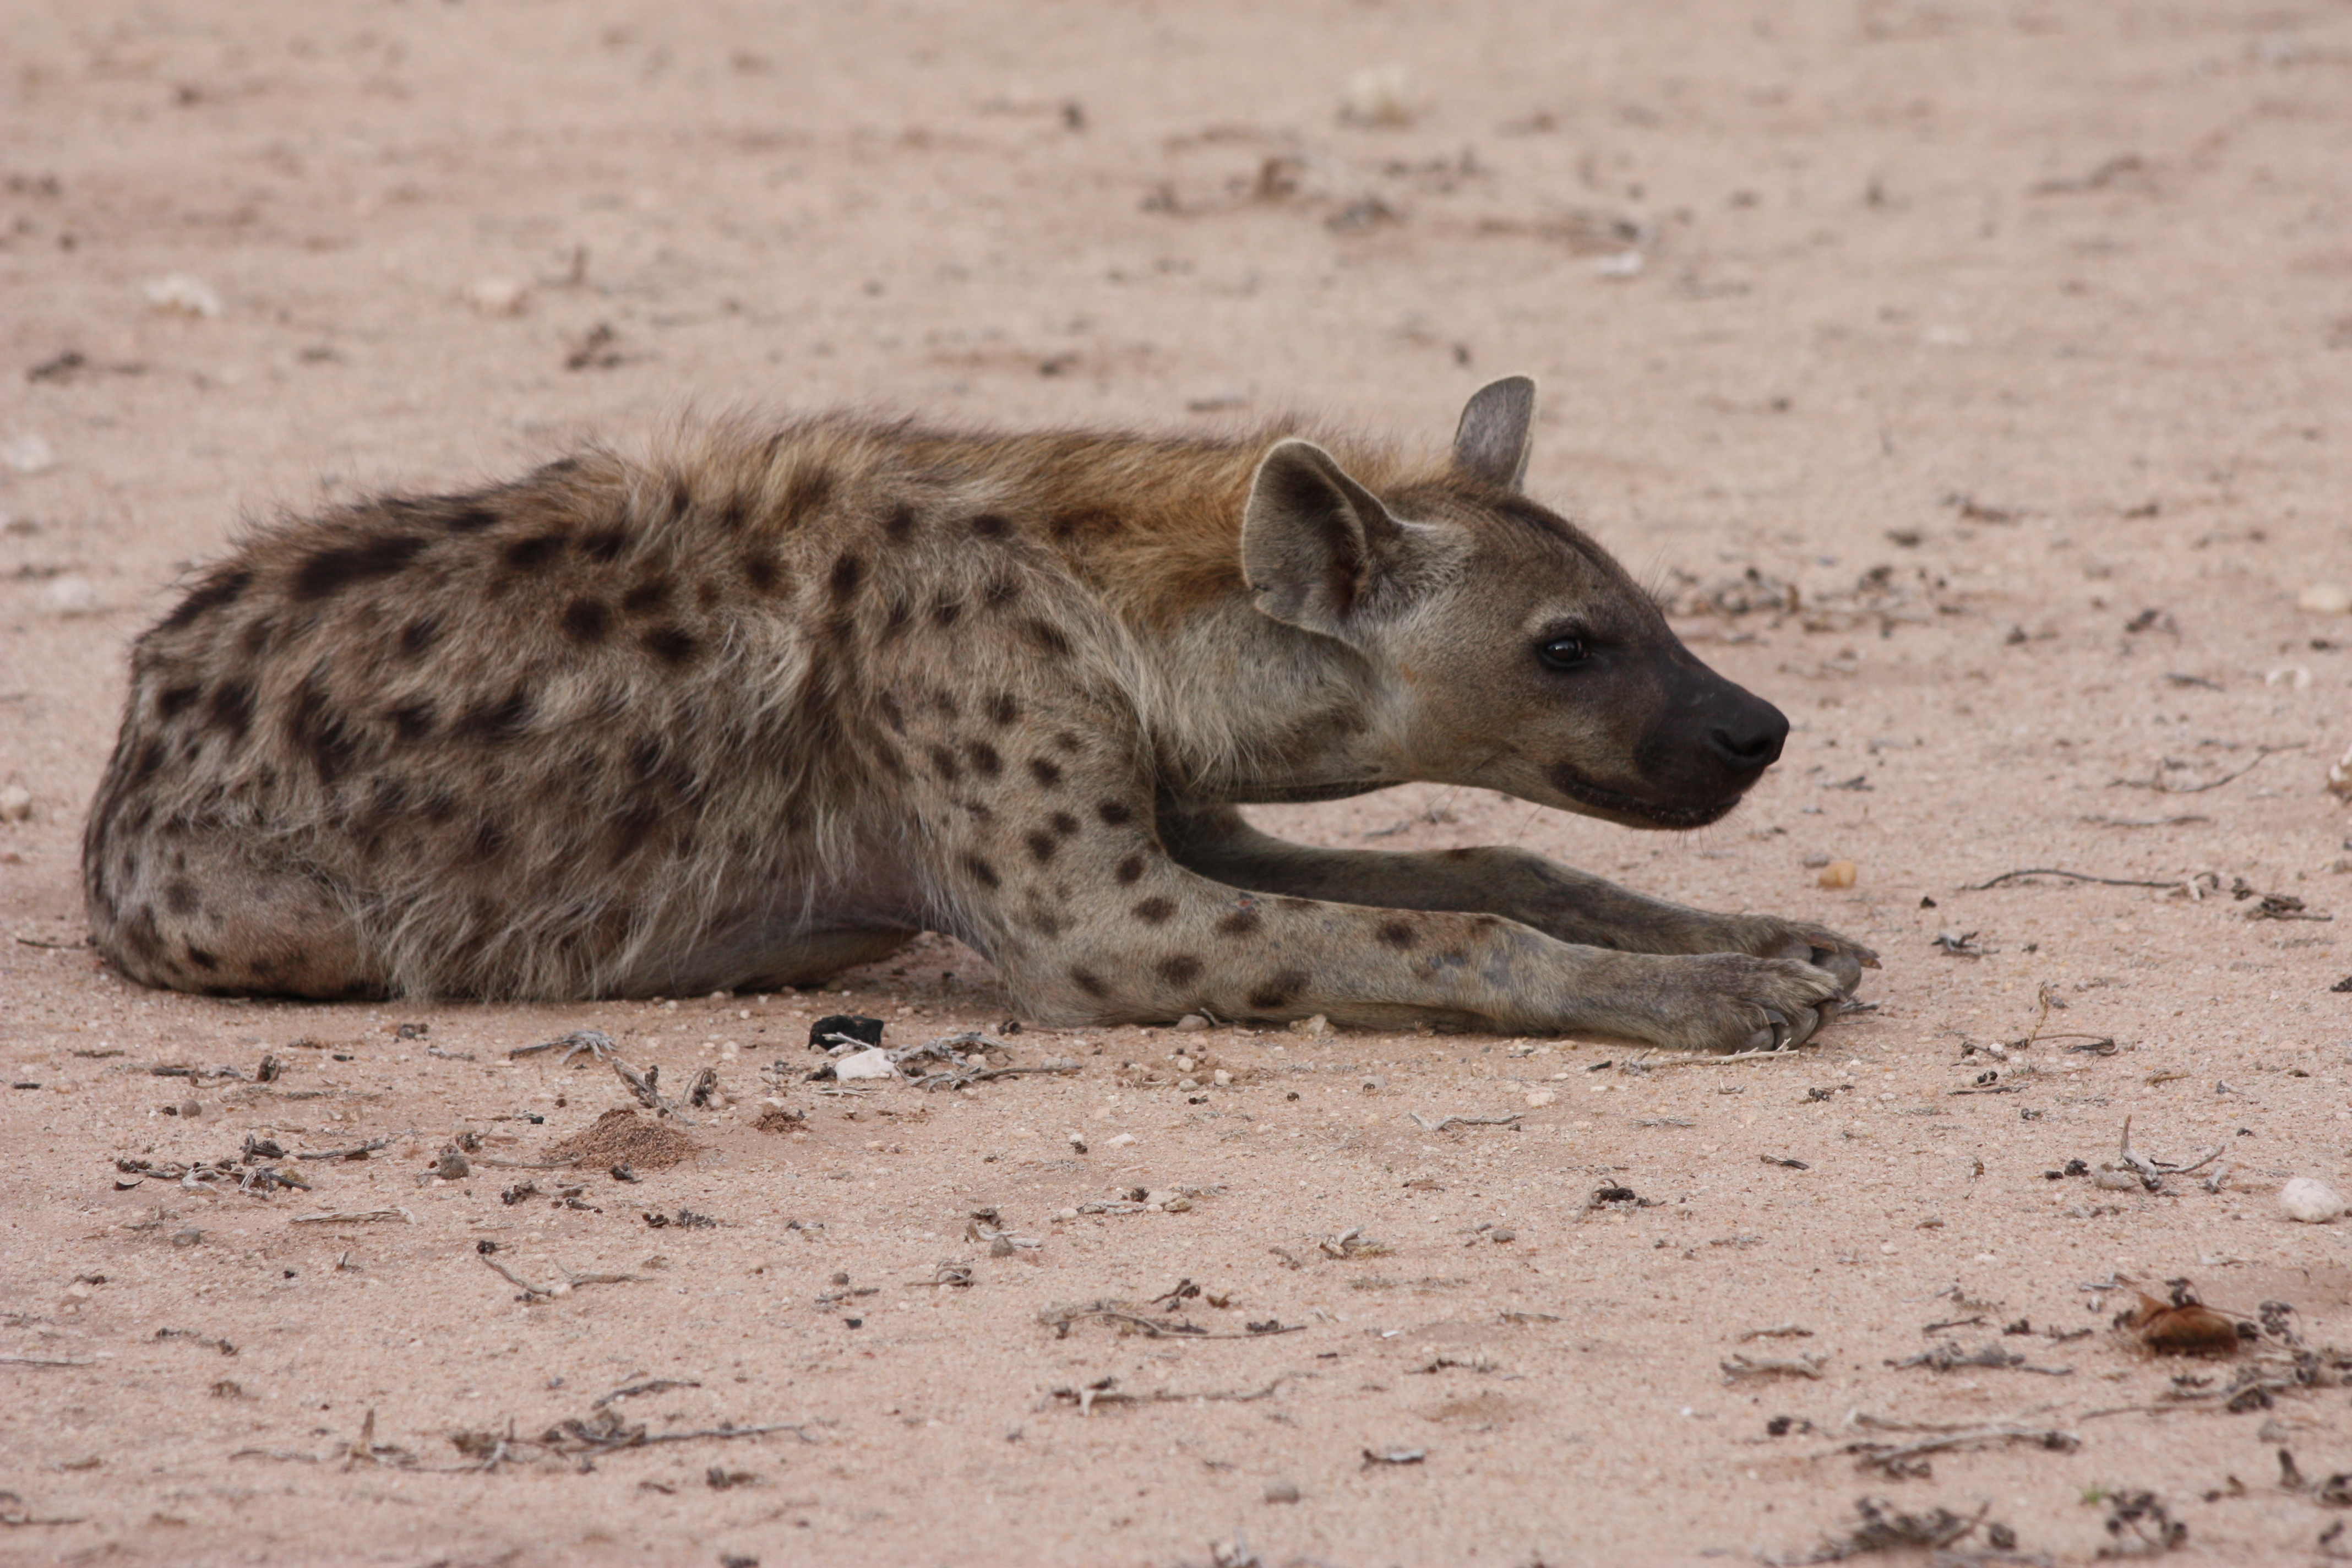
(767, 704)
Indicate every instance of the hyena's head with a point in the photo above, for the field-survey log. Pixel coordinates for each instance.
(1504, 647)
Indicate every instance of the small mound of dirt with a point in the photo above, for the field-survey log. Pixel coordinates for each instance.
(624, 1137)
(776, 1118)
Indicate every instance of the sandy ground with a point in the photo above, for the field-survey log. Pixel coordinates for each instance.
(2009, 343)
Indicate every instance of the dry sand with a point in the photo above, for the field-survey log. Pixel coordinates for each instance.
(2014, 339)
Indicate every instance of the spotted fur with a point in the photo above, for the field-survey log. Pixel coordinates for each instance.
(764, 703)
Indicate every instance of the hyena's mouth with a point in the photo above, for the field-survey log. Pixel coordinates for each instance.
(1633, 811)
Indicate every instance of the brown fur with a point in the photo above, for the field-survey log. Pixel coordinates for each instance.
(764, 703)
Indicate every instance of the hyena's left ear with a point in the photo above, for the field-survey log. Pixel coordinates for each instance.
(1315, 544)
(1493, 439)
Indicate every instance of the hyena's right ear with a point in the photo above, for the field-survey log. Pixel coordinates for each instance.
(1314, 541)
(1493, 439)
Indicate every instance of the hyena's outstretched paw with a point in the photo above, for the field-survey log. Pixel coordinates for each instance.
(1730, 1002)
(1824, 949)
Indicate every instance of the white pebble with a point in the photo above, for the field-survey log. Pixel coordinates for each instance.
(1220, 1076)
(1190, 1022)
(16, 803)
(2311, 1202)
(28, 454)
(497, 296)
(1122, 1141)
(178, 293)
(2324, 599)
(1318, 1024)
(1541, 1097)
(1623, 265)
(865, 1064)
(1379, 96)
(71, 594)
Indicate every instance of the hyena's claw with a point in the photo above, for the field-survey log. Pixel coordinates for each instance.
(1786, 1032)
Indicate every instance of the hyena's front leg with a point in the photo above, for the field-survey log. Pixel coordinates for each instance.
(1553, 898)
(1096, 923)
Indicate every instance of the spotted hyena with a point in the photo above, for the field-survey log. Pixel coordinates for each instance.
(768, 704)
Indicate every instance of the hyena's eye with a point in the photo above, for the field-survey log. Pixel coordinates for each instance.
(1559, 653)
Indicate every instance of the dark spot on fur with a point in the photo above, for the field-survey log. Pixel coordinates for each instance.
(605, 543)
(220, 589)
(629, 832)
(418, 635)
(646, 595)
(735, 513)
(1048, 638)
(985, 760)
(707, 594)
(495, 723)
(1064, 825)
(315, 727)
(945, 613)
(892, 714)
(1066, 741)
(468, 516)
(981, 871)
(1085, 980)
(944, 763)
(1129, 871)
(761, 570)
(1180, 970)
(1155, 911)
(230, 710)
(1045, 921)
(1086, 521)
(413, 720)
(488, 841)
(900, 524)
(536, 551)
(1116, 812)
(331, 571)
(200, 959)
(810, 489)
(1397, 933)
(896, 618)
(999, 592)
(1045, 773)
(139, 936)
(673, 645)
(173, 700)
(1241, 923)
(989, 525)
(848, 572)
(1003, 708)
(1278, 991)
(180, 898)
(587, 620)
(1042, 847)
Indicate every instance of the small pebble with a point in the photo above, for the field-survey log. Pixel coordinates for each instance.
(497, 296)
(2324, 599)
(1065, 1215)
(1838, 874)
(2308, 1201)
(453, 1167)
(1281, 1492)
(1541, 1097)
(181, 294)
(28, 454)
(1183, 1064)
(187, 1238)
(1220, 1076)
(1190, 1022)
(1318, 1024)
(16, 803)
(71, 594)
(1122, 1141)
(190, 1107)
(1379, 95)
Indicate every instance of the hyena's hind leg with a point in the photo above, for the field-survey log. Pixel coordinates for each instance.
(1555, 900)
(183, 908)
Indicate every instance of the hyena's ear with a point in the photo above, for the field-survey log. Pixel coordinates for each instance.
(1492, 440)
(1314, 541)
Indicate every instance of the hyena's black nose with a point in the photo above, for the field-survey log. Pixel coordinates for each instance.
(1747, 734)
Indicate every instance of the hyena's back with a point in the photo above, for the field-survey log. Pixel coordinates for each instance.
(612, 728)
